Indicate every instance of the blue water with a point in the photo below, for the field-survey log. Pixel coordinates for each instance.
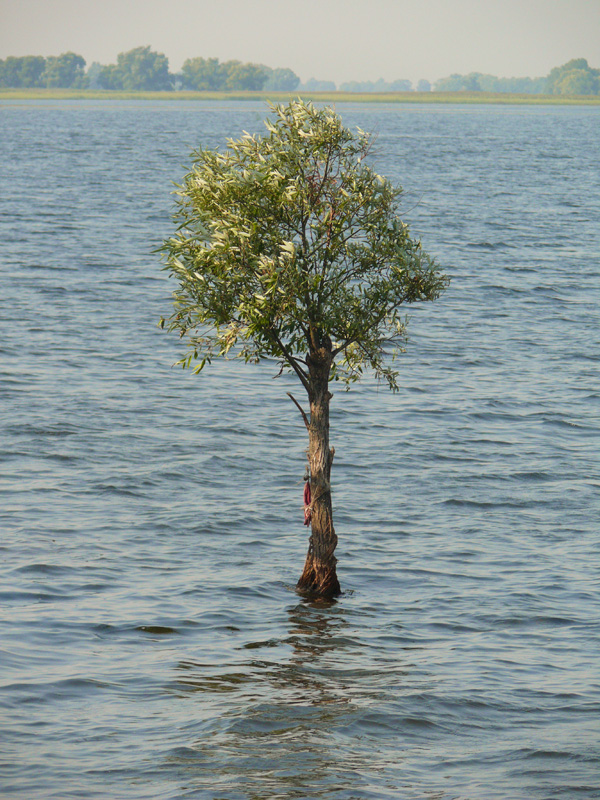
(151, 644)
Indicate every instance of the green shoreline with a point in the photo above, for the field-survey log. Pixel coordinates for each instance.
(329, 97)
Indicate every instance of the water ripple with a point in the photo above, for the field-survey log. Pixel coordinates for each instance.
(152, 644)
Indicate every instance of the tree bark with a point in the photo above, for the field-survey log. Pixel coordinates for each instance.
(319, 577)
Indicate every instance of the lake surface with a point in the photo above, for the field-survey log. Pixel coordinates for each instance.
(151, 642)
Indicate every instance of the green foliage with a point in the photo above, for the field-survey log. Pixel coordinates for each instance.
(22, 72)
(289, 241)
(315, 85)
(93, 73)
(377, 86)
(453, 83)
(142, 69)
(578, 81)
(202, 74)
(137, 69)
(280, 80)
(208, 74)
(245, 77)
(574, 77)
(65, 71)
(479, 82)
(109, 77)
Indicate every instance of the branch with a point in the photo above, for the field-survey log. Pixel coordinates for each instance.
(374, 324)
(343, 346)
(305, 332)
(292, 361)
(300, 409)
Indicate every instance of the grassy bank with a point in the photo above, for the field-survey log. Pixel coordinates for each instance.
(328, 97)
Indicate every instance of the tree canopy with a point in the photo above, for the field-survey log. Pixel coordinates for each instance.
(66, 71)
(139, 69)
(377, 86)
(317, 85)
(479, 82)
(574, 77)
(292, 237)
(280, 80)
(24, 71)
(209, 74)
(202, 74)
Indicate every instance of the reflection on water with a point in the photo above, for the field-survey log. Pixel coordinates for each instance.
(289, 729)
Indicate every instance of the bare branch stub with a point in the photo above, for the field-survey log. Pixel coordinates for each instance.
(300, 409)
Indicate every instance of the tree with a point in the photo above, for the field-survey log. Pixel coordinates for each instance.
(578, 81)
(65, 71)
(109, 77)
(377, 86)
(289, 247)
(207, 74)
(574, 77)
(315, 85)
(93, 75)
(23, 71)
(401, 85)
(32, 69)
(477, 81)
(453, 83)
(244, 77)
(281, 79)
(140, 69)
(202, 74)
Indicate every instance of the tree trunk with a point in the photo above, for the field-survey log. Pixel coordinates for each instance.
(319, 577)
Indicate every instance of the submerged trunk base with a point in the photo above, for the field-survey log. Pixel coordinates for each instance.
(319, 579)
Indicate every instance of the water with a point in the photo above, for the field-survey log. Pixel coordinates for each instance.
(151, 643)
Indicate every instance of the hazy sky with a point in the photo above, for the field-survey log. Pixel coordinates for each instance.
(329, 39)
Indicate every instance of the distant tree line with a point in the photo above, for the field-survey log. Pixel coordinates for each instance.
(144, 69)
(65, 71)
(376, 86)
(209, 74)
(478, 82)
(574, 77)
(316, 85)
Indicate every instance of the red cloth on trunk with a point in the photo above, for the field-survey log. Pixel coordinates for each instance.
(307, 511)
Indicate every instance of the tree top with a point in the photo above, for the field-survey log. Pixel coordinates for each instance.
(290, 242)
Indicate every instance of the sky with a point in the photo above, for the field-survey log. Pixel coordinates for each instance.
(337, 40)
